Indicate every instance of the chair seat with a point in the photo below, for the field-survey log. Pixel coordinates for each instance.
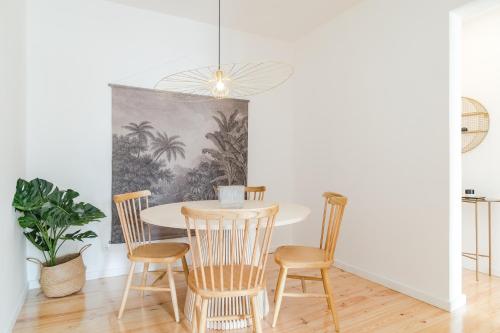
(159, 252)
(301, 257)
(226, 271)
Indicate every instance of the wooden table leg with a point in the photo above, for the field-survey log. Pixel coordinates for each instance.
(489, 238)
(477, 242)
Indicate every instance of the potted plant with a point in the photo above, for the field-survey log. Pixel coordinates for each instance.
(48, 217)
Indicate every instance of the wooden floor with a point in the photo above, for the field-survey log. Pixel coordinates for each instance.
(363, 306)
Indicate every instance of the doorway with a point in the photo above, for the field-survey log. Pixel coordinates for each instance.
(474, 120)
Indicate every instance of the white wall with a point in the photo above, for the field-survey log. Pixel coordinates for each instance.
(75, 48)
(481, 81)
(372, 121)
(12, 149)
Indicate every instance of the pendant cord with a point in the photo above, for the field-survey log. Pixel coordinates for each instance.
(219, 34)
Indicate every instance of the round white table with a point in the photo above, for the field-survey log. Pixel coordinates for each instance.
(169, 215)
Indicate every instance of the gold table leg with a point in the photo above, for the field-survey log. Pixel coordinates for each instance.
(489, 238)
(477, 242)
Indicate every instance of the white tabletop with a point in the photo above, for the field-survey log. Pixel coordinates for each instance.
(169, 215)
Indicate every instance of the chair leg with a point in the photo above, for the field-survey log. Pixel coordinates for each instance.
(194, 323)
(325, 288)
(279, 295)
(185, 268)
(202, 321)
(255, 314)
(277, 285)
(127, 288)
(144, 276)
(173, 292)
(196, 310)
(328, 291)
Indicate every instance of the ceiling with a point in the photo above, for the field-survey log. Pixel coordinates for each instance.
(281, 19)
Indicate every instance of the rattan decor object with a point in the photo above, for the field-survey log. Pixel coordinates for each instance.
(65, 278)
(475, 123)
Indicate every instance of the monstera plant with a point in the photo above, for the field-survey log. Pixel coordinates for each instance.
(50, 216)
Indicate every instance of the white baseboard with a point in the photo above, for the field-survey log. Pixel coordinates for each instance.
(17, 309)
(445, 304)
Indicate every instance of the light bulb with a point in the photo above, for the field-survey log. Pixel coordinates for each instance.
(219, 84)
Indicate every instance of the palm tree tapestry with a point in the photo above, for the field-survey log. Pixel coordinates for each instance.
(177, 148)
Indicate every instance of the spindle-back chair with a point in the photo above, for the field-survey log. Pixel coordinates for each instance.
(251, 192)
(255, 192)
(237, 271)
(137, 236)
(303, 257)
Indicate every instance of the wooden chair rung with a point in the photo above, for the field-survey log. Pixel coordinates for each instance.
(303, 295)
(304, 277)
(149, 288)
(221, 318)
(159, 277)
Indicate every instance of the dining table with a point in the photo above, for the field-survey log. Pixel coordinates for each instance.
(169, 215)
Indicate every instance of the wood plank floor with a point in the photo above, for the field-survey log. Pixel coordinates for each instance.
(363, 306)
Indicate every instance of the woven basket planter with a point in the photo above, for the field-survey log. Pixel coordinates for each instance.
(65, 278)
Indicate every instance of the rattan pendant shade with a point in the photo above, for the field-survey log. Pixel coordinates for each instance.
(238, 80)
(475, 123)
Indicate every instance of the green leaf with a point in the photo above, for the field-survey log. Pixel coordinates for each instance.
(55, 216)
(36, 240)
(63, 198)
(28, 221)
(77, 235)
(43, 187)
(85, 213)
(31, 195)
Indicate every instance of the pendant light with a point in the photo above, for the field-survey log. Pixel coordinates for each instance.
(236, 80)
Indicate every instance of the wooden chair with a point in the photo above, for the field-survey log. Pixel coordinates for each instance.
(303, 257)
(141, 250)
(251, 192)
(255, 192)
(239, 271)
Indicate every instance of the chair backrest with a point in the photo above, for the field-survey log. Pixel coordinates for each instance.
(333, 212)
(236, 243)
(129, 206)
(251, 192)
(255, 192)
